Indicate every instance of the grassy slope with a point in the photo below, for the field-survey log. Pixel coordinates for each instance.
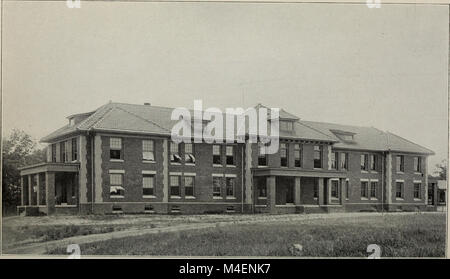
(398, 236)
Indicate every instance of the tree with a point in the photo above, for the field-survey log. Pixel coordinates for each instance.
(441, 170)
(18, 150)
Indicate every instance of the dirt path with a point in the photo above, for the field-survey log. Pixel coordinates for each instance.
(41, 248)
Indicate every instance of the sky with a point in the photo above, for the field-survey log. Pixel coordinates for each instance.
(339, 63)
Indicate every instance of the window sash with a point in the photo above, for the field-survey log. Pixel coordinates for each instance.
(364, 186)
(189, 153)
(417, 192)
(189, 182)
(373, 189)
(216, 149)
(400, 163)
(217, 186)
(373, 162)
(262, 191)
(174, 185)
(62, 151)
(347, 189)
(54, 153)
(116, 179)
(74, 149)
(334, 157)
(148, 181)
(115, 143)
(363, 162)
(344, 160)
(317, 156)
(417, 164)
(230, 155)
(399, 190)
(334, 189)
(230, 186)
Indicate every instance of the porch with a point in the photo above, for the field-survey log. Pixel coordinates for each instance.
(49, 188)
(298, 191)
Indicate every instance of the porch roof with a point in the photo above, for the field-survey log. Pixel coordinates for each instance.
(49, 167)
(298, 172)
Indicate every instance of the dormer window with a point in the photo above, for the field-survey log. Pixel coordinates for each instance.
(286, 126)
(344, 135)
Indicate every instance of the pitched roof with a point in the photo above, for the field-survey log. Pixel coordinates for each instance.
(367, 138)
(149, 119)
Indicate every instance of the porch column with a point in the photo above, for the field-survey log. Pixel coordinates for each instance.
(320, 188)
(435, 194)
(342, 190)
(271, 187)
(297, 191)
(38, 190)
(328, 192)
(30, 189)
(50, 192)
(22, 191)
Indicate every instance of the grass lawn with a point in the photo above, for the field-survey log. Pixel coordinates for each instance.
(418, 235)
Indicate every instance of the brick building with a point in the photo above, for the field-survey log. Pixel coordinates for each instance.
(120, 158)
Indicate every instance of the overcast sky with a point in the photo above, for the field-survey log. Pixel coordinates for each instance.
(346, 64)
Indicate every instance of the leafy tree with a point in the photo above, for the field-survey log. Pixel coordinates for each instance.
(441, 170)
(18, 150)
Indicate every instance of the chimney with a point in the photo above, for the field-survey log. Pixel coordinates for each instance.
(147, 104)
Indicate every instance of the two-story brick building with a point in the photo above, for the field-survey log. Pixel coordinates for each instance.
(120, 158)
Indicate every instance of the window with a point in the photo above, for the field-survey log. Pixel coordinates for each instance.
(115, 148)
(334, 160)
(297, 155)
(262, 188)
(63, 153)
(399, 190)
(335, 189)
(262, 155)
(174, 153)
(400, 161)
(217, 186)
(116, 185)
(430, 194)
(148, 182)
(189, 157)
(316, 190)
(54, 153)
(147, 150)
(373, 189)
(347, 189)
(175, 185)
(343, 157)
(283, 155)
(230, 155)
(189, 182)
(373, 162)
(74, 149)
(417, 187)
(217, 160)
(364, 161)
(230, 181)
(364, 190)
(417, 164)
(286, 125)
(317, 156)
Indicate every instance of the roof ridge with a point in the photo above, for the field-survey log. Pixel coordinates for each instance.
(147, 120)
(333, 123)
(385, 134)
(92, 116)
